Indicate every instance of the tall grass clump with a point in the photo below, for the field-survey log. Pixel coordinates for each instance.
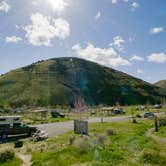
(6, 154)
(82, 144)
(162, 121)
(110, 132)
(152, 157)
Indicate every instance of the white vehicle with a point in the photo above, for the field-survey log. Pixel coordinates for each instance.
(40, 135)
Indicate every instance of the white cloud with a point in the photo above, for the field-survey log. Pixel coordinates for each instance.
(13, 39)
(4, 6)
(134, 6)
(157, 58)
(43, 30)
(156, 30)
(117, 43)
(104, 56)
(136, 58)
(18, 27)
(98, 15)
(116, 1)
(55, 5)
(131, 39)
(139, 71)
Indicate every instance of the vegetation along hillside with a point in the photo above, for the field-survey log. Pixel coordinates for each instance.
(161, 84)
(60, 81)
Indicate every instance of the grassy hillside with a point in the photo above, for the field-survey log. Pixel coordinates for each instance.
(161, 84)
(59, 81)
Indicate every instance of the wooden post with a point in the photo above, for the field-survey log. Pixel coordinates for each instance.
(102, 118)
(156, 124)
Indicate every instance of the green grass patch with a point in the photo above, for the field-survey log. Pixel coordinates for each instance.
(128, 146)
(14, 162)
(161, 132)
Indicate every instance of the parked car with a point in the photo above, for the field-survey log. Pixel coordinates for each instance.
(118, 111)
(149, 115)
(12, 125)
(157, 106)
(40, 135)
(57, 114)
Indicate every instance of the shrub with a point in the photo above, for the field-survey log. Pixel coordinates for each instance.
(18, 144)
(162, 121)
(82, 145)
(6, 155)
(71, 140)
(28, 149)
(102, 140)
(152, 157)
(134, 120)
(111, 132)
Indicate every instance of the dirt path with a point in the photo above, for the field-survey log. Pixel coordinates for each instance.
(156, 138)
(26, 158)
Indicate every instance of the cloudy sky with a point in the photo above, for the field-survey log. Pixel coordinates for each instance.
(128, 35)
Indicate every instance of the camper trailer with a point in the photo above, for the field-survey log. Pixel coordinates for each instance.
(12, 125)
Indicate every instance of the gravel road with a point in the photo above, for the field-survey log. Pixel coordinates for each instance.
(59, 128)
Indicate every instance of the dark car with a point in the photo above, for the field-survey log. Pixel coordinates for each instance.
(149, 115)
(118, 111)
(57, 114)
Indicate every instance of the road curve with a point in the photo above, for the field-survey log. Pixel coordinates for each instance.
(59, 128)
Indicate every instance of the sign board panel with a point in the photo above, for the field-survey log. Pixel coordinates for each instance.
(81, 127)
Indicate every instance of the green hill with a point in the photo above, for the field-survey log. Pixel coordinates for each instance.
(161, 84)
(60, 81)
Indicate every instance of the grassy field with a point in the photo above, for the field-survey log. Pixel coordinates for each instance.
(14, 162)
(127, 145)
(162, 132)
(108, 144)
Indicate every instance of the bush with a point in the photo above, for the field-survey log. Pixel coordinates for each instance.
(6, 155)
(162, 121)
(111, 132)
(71, 140)
(134, 120)
(102, 140)
(82, 144)
(18, 144)
(152, 157)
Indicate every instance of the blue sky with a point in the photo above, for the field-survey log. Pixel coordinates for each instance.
(128, 35)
